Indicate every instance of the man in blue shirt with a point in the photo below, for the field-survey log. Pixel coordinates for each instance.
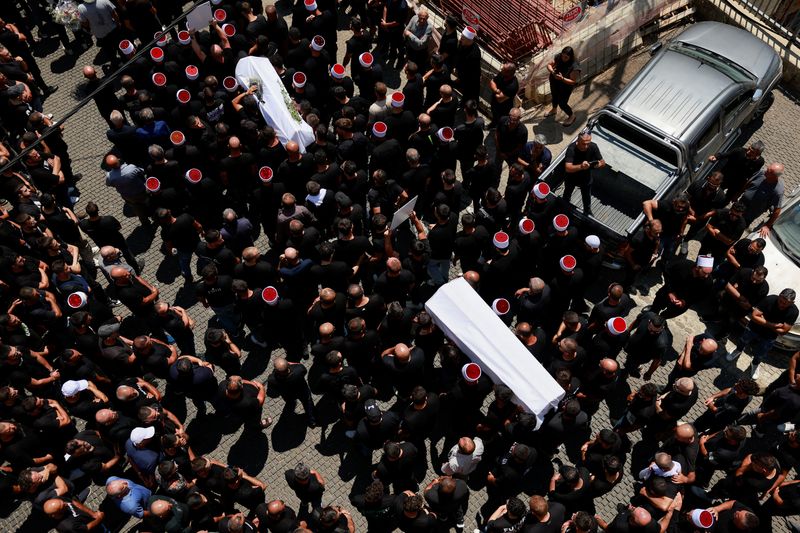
(130, 497)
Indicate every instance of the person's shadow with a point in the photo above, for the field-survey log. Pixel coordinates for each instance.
(251, 451)
(290, 429)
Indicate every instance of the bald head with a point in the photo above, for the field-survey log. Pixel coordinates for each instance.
(105, 416)
(275, 507)
(424, 120)
(641, 517)
(292, 147)
(466, 445)
(473, 278)
(402, 353)
(685, 432)
(327, 296)
(684, 386)
(124, 393)
(119, 273)
(89, 72)
(326, 329)
(774, 171)
(108, 252)
(234, 143)
(54, 506)
(160, 508)
(393, 264)
(112, 161)
(281, 365)
(117, 488)
(609, 365)
(708, 346)
(290, 254)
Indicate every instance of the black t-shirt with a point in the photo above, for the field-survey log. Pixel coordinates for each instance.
(725, 523)
(217, 294)
(621, 524)
(442, 238)
(508, 139)
(774, 315)
(181, 233)
(743, 255)
(132, 295)
(576, 157)
(74, 519)
(753, 292)
(504, 525)
(305, 491)
(103, 231)
(551, 525)
(285, 523)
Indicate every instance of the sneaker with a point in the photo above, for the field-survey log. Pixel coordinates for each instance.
(756, 371)
(786, 428)
(731, 357)
(115, 303)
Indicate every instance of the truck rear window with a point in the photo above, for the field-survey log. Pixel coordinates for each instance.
(636, 138)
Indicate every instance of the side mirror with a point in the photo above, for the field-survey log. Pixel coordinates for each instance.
(757, 94)
(655, 48)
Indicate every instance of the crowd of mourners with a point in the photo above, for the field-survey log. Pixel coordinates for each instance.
(91, 353)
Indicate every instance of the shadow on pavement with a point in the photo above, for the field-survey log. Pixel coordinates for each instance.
(206, 432)
(290, 430)
(250, 452)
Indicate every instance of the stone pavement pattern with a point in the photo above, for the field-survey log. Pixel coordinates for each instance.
(288, 441)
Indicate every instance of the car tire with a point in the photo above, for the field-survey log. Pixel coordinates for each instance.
(763, 107)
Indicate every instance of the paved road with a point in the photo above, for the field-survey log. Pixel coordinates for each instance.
(288, 441)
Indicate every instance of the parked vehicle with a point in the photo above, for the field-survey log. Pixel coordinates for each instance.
(655, 136)
(782, 259)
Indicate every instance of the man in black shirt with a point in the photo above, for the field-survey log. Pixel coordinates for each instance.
(137, 294)
(377, 507)
(742, 292)
(544, 516)
(105, 231)
(72, 516)
(411, 514)
(288, 381)
(276, 517)
(308, 485)
(448, 497)
(244, 398)
(773, 316)
(215, 291)
(507, 517)
(723, 230)
(738, 166)
(581, 157)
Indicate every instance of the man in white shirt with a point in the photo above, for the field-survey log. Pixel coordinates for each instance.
(464, 457)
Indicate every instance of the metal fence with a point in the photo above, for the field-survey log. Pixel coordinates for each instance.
(781, 15)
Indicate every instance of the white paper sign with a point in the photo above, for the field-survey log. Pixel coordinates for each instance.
(402, 214)
(199, 17)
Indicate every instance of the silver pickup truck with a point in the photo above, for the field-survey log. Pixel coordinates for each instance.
(687, 103)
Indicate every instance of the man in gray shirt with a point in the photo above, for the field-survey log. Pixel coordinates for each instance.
(764, 192)
(100, 18)
(417, 35)
(128, 180)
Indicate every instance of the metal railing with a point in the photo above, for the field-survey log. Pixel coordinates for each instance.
(782, 16)
(143, 49)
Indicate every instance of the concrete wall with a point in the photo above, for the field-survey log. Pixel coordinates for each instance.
(603, 37)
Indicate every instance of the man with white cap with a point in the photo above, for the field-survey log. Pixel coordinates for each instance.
(590, 254)
(387, 154)
(685, 282)
(498, 279)
(143, 454)
(541, 206)
(468, 65)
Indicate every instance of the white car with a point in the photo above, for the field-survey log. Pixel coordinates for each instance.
(782, 258)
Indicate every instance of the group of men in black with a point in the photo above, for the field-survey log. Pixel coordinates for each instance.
(332, 302)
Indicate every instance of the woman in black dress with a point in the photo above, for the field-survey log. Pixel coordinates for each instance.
(564, 73)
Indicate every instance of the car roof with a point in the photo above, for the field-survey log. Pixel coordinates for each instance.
(736, 44)
(674, 93)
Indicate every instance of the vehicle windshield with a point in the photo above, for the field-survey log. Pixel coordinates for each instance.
(722, 64)
(787, 231)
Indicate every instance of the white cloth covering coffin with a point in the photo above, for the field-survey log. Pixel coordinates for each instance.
(469, 322)
(274, 101)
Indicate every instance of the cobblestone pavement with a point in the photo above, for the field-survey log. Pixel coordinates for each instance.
(288, 441)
